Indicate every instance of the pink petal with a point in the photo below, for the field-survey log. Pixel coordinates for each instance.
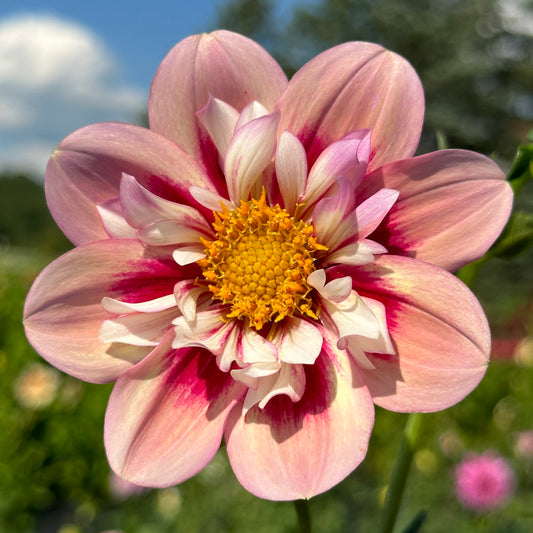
(291, 450)
(438, 330)
(222, 64)
(64, 311)
(452, 206)
(330, 221)
(373, 210)
(86, 169)
(351, 87)
(165, 417)
(342, 159)
(248, 154)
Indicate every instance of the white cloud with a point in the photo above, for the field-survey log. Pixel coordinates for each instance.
(517, 16)
(55, 76)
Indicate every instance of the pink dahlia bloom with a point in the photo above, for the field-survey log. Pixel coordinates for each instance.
(265, 263)
(484, 482)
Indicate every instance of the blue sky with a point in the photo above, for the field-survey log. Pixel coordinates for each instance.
(65, 64)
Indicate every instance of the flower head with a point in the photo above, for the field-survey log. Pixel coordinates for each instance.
(264, 264)
(483, 482)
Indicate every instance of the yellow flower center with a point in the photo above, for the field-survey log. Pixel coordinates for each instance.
(260, 261)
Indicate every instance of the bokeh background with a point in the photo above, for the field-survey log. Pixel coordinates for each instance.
(66, 64)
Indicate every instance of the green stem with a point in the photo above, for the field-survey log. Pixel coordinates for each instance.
(304, 516)
(411, 436)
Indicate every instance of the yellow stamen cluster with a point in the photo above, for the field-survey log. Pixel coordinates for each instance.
(260, 262)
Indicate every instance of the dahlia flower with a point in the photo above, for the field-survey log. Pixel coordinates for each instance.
(264, 264)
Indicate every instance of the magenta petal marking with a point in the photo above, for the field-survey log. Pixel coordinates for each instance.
(291, 450)
(63, 311)
(165, 417)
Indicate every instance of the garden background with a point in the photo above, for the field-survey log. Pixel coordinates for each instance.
(475, 59)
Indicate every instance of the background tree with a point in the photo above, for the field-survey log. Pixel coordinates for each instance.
(475, 64)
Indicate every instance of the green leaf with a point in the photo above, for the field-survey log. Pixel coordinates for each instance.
(416, 524)
(522, 167)
(516, 237)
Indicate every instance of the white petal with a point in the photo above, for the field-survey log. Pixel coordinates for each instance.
(358, 353)
(150, 306)
(317, 279)
(219, 119)
(114, 222)
(336, 290)
(383, 343)
(185, 255)
(248, 154)
(256, 349)
(359, 346)
(290, 380)
(138, 329)
(291, 169)
(356, 253)
(298, 341)
(186, 294)
(340, 159)
(351, 317)
(165, 232)
(250, 112)
(210, 199)
(256, 370)
(209, 331)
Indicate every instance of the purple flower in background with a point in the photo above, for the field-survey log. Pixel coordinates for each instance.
(484, 482)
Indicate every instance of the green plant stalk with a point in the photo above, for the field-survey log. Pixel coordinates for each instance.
(410, 439)
(304, 516)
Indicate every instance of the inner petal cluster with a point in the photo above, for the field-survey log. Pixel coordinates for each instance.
(260, 261)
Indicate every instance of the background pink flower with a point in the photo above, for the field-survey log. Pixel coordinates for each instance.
(484, 482)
